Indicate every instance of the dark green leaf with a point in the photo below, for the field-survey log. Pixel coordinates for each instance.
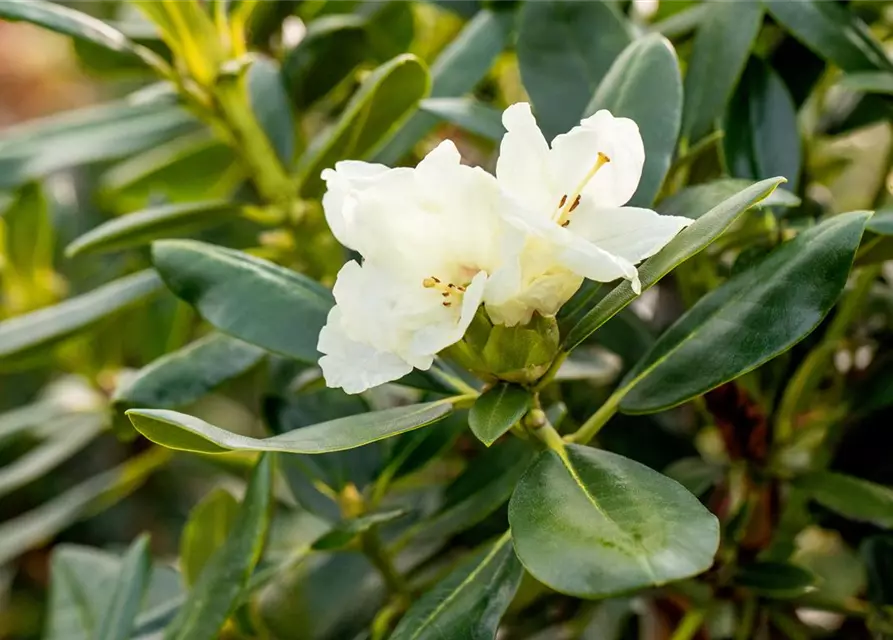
(184, 376)
(187, 433)
(331, 49)
(346, 531)
(142, 227)
(206, 531)
(41, 147)
(21, 336)
(775, 579)
(127, 592)
(881, 223)
(833, 31)
(469, 602)
(721, 48)
(687, 243)
(228, 287)
(749, 320)
(877, 552)
(387, 96)
(762, 139)
(390, 27)
(224, 577)
(593, 524)
(851, 497)
(693, 202)
(695, 474)
(455, 72)
(272, 108)
(869, 82)
(497, 410)
(564, 50)
(646, 68)
(681, 24)
(467, 113)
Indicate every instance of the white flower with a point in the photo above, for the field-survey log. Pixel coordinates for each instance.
(569, 200)
(432, 240)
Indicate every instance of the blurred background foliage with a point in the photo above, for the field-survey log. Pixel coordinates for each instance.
(99, 156)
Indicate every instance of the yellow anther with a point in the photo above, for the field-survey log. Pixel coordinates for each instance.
(430, 283)
(562, 216)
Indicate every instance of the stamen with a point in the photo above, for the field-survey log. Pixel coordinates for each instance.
(576, 203)
(562, 216)
(563, 200)
(446, 289)
(447, 303)
(430, 283)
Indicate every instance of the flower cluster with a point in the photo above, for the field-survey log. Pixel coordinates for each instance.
(442, 239)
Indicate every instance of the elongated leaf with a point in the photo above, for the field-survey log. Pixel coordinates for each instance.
(721, 48)
(35, 527)
(877, 552)
(750, 319)
(851, 497)
(682, 23)
(564, 51)
(30, 236)
(346, 531)
(687, 243)
(593, 524)
(127, 593)
(455, 72)
(272, 108)
(694, 201)
(833, 32)
(70, 22)
(384, 100)
(762, 139)
(184, 376)
(497, 410)
(74, 433)
(206, 531)
(332, 47)
(869, 82)
(180, 431)
(23, 335)
(469, 602)
(646, 68)
(776, 579)
(93, 134)
(246, 297)
(468, 114)
(142, 227)
(223, 579)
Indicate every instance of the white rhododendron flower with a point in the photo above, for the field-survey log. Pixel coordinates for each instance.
(432, 240)
(569, 199)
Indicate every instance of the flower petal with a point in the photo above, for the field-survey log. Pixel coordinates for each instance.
(545, 293)
(343, 182)
(523, 165)
(355, 366)
(629, 232)
(576, 153)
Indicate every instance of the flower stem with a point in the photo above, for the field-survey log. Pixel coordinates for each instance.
(378, 556)
(598, 419)
(689, 625)
(550, 373)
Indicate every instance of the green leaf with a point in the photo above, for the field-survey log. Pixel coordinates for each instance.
(390, 27)
(469, 602)
(686, 244)
(695, 474)
(272, 108)
(222, 284)
(877, 552)
(564, 50)
(186, 433)
(722, 45)
(467, 113)
(224, 577)
(35, 527)
(869, 82)
(762, 138)
(69, 22)
(593, 524)
(346, 531)
(749, 320)
(142, 227)
(455, 72)
(188, 374)
(833, 32)
(127, 592)
(74, 432)
(332, 47)
(680, 24)
(694, 201)
(106, 132)
(775, 579)
(206, 531)
(647, 68)
(497, 410)
(385, 99)
(881, 222)
(30, 236)
(22, 336)
(851, 497)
